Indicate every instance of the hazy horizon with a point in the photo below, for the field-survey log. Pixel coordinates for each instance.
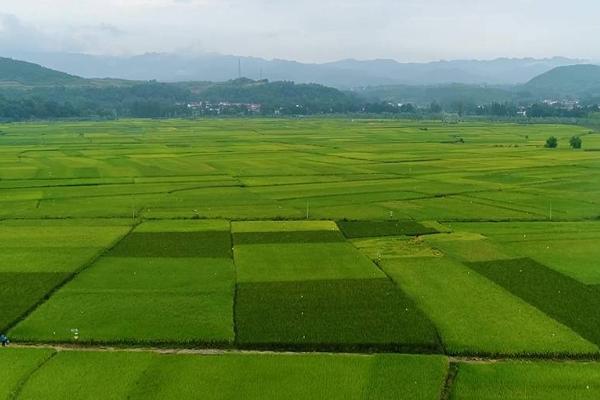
(192, 55)
(313, 32)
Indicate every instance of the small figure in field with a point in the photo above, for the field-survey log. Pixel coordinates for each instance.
(4, 340)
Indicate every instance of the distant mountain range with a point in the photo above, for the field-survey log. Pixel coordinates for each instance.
(345, 74)
(21, 80)
(573, 82)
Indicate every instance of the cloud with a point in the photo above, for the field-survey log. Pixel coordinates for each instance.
(307, 30)
(14, 35)
(17, 37)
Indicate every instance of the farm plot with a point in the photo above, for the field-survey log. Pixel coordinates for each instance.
(318, 295)
(570, 248)
(331, 315)
(395, 247)
(39, 256)
(476, 316)
(543, 202)
(453, 207)
(297, 255)
(527, 380)
(28, 236)
(468, 246)
(214, 244)
(301, 261)
(119, 375)
(565, 299)
(153, 287)
(251, 169)
(16, 365)
(257, 232)
(361, 229)
(19, 292)
(87, 375)
(294, 376)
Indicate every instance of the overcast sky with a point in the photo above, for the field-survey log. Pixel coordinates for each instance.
(307, 30)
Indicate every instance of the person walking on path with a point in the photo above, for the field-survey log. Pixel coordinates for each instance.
(4, 340)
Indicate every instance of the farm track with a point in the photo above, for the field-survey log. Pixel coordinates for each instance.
(440, 220)
(220, 351)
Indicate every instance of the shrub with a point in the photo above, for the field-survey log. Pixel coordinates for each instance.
(575, 142)
(551, 142)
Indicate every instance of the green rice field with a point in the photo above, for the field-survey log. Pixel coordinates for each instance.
(298, 258)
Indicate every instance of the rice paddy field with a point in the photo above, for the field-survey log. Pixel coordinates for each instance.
(303, 259)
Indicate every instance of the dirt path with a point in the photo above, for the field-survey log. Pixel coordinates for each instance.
(210, 352)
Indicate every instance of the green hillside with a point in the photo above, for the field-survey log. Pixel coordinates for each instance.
(570, 80)
(282, 94)
(20, 73)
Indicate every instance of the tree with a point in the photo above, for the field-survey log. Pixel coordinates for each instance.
(575, 142)
(460, 109)
(552, 142)
(435, 108)
(407, 108)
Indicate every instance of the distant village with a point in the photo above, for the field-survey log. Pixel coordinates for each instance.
(224, 107)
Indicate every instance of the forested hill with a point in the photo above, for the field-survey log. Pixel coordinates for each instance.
(28, 91)
(574, 80)
(21, 73)
(273, 95)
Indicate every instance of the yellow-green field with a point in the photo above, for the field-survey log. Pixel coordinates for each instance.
(266, 169)
(205, 259)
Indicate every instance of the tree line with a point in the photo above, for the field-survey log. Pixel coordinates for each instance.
(162, 100)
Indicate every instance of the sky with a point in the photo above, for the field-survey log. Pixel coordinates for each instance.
(306, 30)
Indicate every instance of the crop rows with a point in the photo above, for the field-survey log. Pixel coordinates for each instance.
(329, 169)
(350, 315)
(36, 374)
(360, 229)
(153, 287)
(309, 289)
(44, 373)
(563, 298)
(301, 285)
(212, 244)
(19, 292)
(39, 256)
(477, 317)
(509, 271)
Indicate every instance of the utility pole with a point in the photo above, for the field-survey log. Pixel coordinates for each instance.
(239, 68)
(307, 209)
